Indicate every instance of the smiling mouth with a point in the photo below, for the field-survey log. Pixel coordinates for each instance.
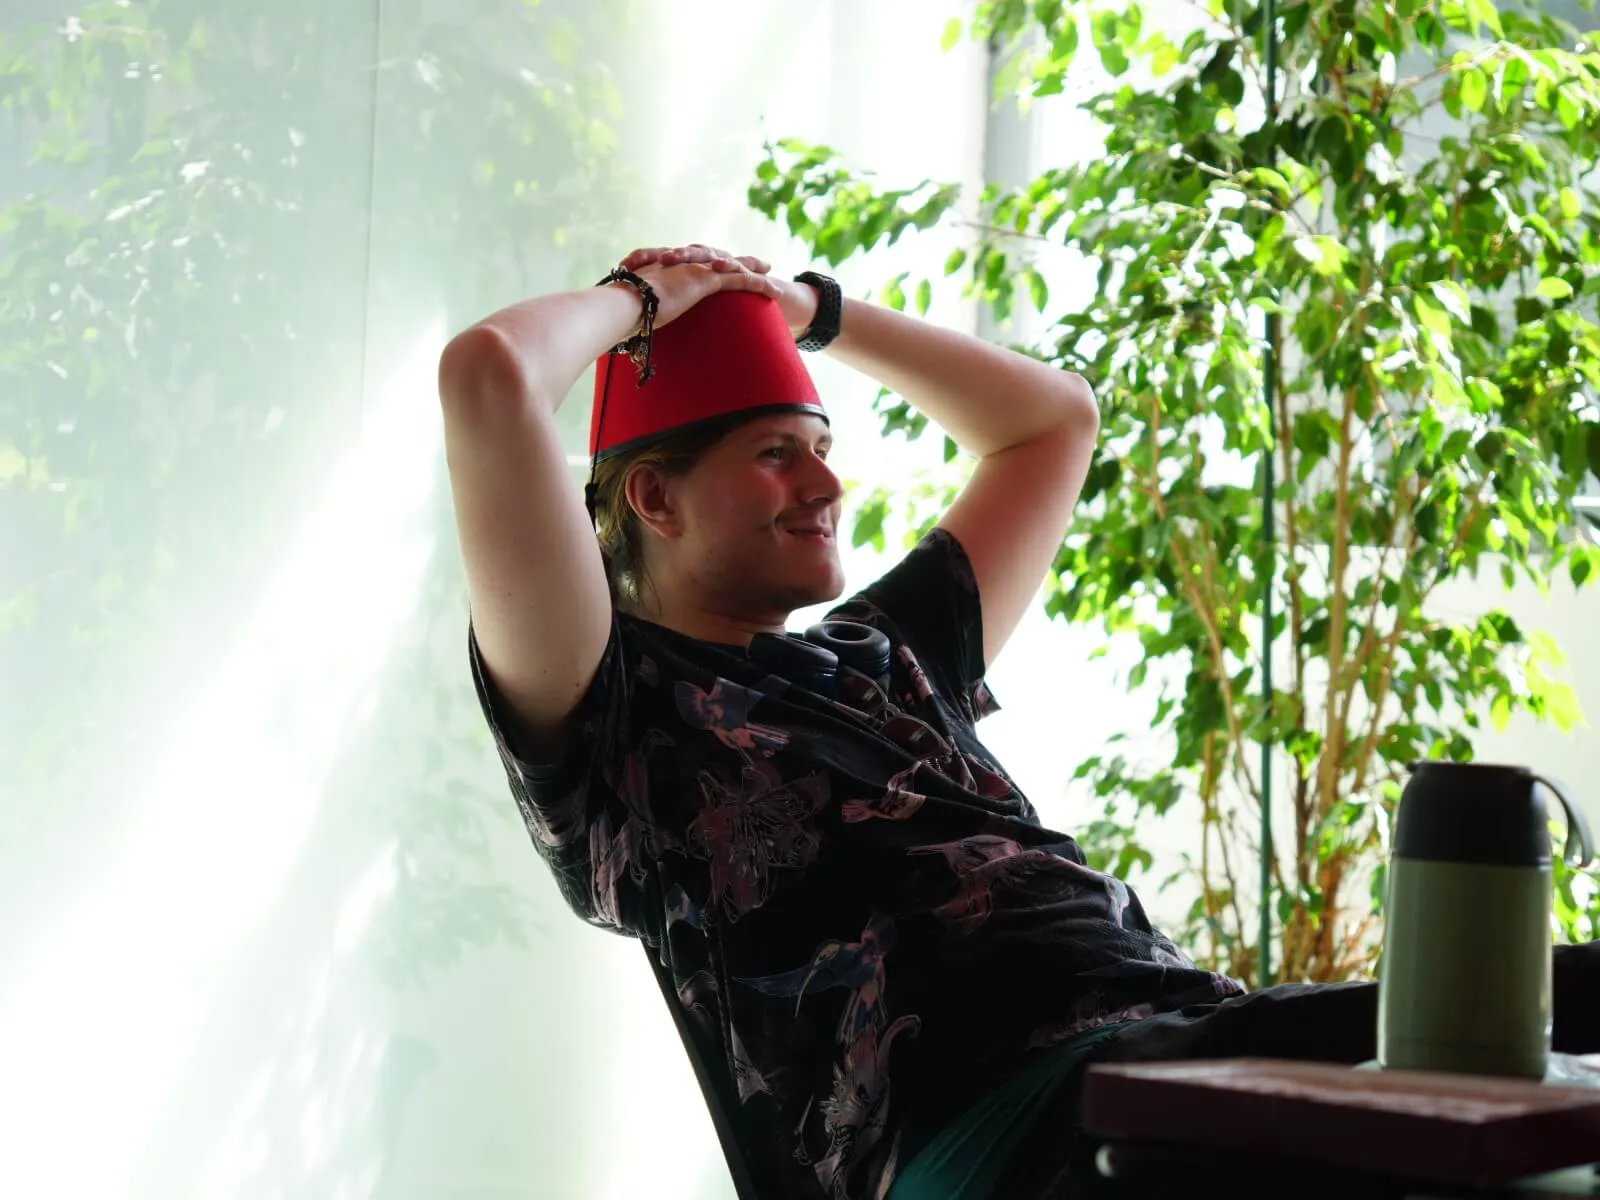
(812, 535)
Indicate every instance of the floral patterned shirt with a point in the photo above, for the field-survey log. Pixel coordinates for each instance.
(857, 908)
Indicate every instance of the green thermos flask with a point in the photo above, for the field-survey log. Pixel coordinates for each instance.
(1464, 984)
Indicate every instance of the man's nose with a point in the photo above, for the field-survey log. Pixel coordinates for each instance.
(821, 485)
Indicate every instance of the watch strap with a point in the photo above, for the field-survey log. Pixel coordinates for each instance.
(830, 310)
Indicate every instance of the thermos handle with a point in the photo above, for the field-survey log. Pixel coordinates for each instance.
(1580, 846)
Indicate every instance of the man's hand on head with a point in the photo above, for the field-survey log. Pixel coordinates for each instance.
(798, 301)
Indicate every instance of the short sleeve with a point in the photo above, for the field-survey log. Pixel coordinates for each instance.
(571, 808)
(931, 598)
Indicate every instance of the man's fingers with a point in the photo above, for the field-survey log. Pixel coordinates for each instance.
(643, 257)
(695, 253)
(744, 262)
(747, 269)
(722, 260)
(741, 280)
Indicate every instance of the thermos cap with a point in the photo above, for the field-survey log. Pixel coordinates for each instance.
(1477, 813)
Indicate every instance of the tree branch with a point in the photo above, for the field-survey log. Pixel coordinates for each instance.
(1369, 738)
(1207, 810)
(1291, 577)
(1385, 655)
(1332, 743)
(1233, 882)
(1208, 569)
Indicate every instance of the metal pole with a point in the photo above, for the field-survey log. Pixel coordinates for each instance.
(1269, 555)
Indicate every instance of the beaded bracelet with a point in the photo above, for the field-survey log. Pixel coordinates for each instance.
(637, 347)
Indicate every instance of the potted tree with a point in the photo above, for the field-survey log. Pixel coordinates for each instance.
(1352, 244)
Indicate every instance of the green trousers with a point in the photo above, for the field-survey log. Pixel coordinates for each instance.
(966, 1159)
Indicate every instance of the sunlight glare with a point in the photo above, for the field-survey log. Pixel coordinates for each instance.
(101, 1027)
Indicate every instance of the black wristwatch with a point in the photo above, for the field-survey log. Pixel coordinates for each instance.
(830, 308)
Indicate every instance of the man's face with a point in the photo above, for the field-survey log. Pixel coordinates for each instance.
(759, 515)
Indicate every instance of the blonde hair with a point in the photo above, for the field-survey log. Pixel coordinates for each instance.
(617, 526)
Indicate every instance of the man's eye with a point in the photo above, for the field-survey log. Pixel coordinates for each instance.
(772, 452)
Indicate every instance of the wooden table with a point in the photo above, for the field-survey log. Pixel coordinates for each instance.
(1248, 1127)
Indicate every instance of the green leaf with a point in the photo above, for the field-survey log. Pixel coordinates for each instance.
(1457, 16)
(1325, 254)
(13, 463)
(1483, 12)
(1274, 180)
(1433, 318)
(1107, 27)
(951, 34)
(1447, 389)
(894, 292)
(1474, 89)
(1567, 110)
(1561, 707)
(1454, 298)
(1129, 23)
(1039, 290)
(1580, 567)
(1500, 713)
(869, 522)
(1163, 55)
(924, 297)
(1489, 448)
(1062, 53)
(1513, 77)
(1552, 288)
(1486, 397)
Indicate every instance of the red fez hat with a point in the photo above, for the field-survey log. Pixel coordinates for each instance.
(729, 356)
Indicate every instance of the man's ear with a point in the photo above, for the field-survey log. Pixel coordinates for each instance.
(650, 497)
